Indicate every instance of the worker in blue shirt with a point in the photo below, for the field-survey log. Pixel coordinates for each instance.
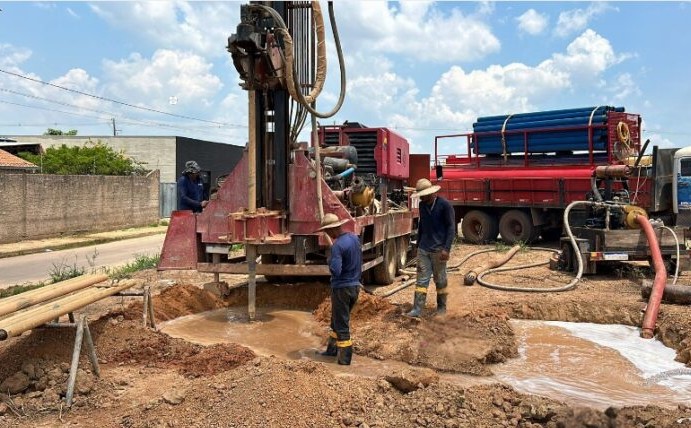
(435, 235)
(191, 189)
(345, 265)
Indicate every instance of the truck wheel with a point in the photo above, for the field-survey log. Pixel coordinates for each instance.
(516, 226)
(384, 273)
(478, 227)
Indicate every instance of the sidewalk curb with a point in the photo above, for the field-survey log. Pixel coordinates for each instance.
(76, 242)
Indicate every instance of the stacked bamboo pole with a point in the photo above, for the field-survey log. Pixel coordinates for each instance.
(44, 312)
(33, 297)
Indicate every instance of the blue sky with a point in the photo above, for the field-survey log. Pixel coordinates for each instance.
(421, 68)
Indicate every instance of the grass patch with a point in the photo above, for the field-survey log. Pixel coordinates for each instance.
(20, 288)
(141, 262)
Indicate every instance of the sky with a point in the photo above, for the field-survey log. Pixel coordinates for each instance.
(417, 67)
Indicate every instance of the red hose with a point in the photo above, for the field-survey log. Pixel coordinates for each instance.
(648, 327)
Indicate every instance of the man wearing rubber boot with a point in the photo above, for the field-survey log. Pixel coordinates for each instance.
(435, 235)
(345, 265)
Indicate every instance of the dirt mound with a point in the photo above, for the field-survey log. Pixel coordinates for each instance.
(174, 302)
(367, 308)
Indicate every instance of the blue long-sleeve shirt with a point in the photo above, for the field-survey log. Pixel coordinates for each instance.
(437, 226)
(345, 263)
(190, 194)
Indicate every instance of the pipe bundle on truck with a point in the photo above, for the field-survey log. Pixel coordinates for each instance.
(555, 131)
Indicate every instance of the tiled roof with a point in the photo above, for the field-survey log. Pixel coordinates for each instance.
(8, 160)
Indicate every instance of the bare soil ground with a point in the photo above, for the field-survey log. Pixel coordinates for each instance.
(149, 379)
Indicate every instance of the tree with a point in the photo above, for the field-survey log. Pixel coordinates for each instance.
(52, 131)
(92, 159)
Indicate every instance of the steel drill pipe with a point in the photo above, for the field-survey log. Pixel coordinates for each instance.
(648, 326)
(47, 311)
(30, 298)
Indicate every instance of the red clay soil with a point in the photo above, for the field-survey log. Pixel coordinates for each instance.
(149, 379)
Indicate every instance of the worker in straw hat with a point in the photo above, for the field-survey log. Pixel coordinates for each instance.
(435, 235)
(345, 265)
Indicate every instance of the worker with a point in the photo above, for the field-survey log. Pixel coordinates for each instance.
(435, 235)
(191, 189)
(345, 265)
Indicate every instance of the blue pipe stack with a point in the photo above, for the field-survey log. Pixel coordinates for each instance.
(543, 141)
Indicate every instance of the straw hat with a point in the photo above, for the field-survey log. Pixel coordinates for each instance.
(424, 187)
(330, 221)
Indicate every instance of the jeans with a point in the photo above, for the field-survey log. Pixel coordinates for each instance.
(428, 265)
(342, 301)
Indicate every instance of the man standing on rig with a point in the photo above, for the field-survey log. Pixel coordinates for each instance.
(435, 235)
(345, 265)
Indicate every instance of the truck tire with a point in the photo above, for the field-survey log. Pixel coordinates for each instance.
(385, 272)
(478, 227)
(516, 226)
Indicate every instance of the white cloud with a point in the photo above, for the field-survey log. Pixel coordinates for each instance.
(72, 13)
(12, 56)
(202, 27)
(623, 87)
(460, 95)
(532, 22)
(586, 57)
(417, 31)
(168, 73)
(575, 20)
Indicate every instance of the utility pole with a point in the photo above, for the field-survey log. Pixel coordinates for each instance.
(115, 131)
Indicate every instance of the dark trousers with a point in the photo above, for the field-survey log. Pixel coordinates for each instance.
(342, 302)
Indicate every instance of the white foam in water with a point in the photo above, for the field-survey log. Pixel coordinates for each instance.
(654, 360)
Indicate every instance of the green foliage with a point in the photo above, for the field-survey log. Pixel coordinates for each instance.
(20, 288)
(52, 131)
(92, 159)
(140, 262)
(62, 271)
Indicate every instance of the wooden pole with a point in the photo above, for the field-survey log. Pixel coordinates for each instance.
(40, 314)
(30, 298)
(75, 362)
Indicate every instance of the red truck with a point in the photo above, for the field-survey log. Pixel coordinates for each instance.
(517, 180)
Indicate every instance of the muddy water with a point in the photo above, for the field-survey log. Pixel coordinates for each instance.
(595, 365)
(581, 364)
(282, 333)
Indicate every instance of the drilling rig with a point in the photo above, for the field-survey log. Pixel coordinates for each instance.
(272, 203)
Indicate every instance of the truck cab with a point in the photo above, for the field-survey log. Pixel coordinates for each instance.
(681, 186)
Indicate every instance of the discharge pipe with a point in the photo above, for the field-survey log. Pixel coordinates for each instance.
(651, 311)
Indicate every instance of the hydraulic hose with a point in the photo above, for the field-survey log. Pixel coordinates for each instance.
(676, 240)
(577, 253)
(651, 311)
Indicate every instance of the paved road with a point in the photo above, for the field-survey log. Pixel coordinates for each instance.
(37, 267)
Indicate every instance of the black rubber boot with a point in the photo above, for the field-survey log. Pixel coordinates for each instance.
(345, 354)
(418, 304)
(441, 304)
(331, 350)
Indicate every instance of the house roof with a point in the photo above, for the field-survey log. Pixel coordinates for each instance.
(8, 160)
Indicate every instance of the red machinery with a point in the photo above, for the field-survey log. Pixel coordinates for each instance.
(271, 204)
(523, 194)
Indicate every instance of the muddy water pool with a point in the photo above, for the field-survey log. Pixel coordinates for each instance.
(578, 363)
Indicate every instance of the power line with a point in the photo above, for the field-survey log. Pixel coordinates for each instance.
(116, 101)
(106, 121)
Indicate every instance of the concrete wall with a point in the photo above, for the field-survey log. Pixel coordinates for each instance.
(39, 206)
